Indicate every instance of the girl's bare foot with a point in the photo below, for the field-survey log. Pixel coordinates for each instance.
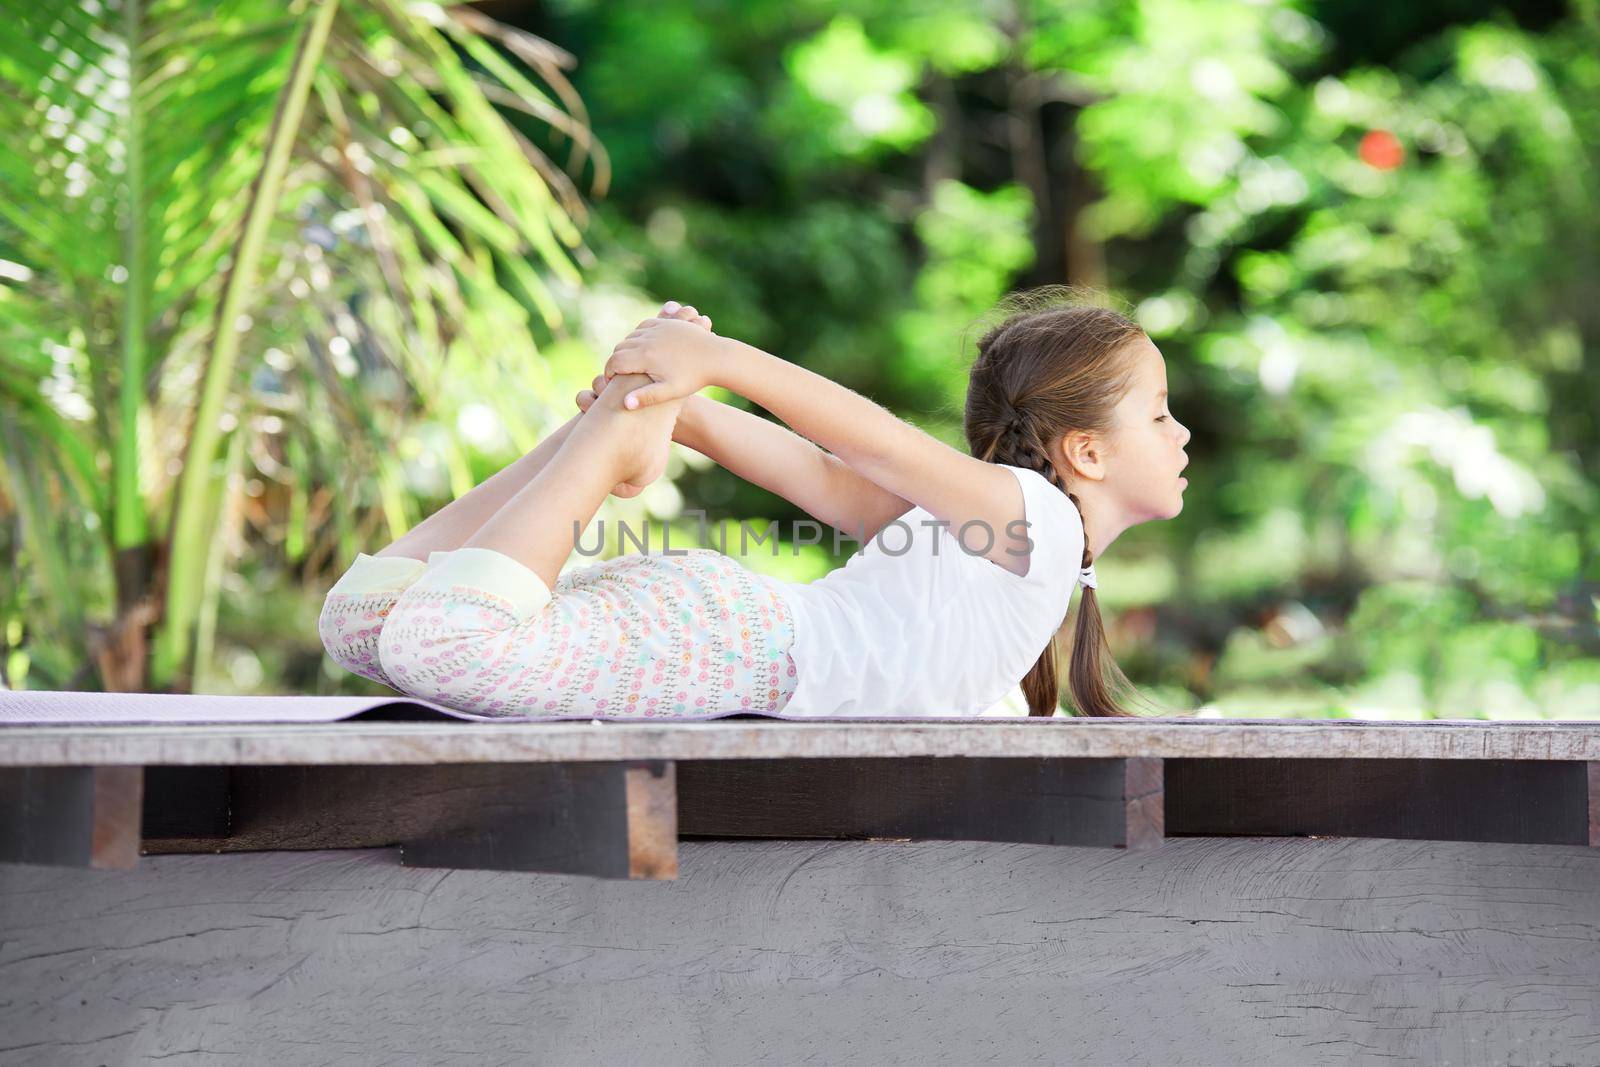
(642, 438)
(586, 398)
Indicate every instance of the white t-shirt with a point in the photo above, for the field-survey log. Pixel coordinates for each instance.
(936, 630)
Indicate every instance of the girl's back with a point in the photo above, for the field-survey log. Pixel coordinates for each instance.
(915, 624)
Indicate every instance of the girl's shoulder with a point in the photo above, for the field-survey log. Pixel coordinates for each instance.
(1055, 532)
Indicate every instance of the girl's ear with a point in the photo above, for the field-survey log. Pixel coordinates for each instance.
(1084, 453)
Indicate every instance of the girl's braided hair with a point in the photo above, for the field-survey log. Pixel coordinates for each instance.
(1055, 362)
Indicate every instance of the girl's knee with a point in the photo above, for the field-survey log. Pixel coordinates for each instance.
(354, 610)
(463, 609)
(349, 627)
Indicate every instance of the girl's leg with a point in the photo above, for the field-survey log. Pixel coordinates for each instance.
(450, 526)
(465, 626)
(539, 526)
(639, 636)
(355, 609)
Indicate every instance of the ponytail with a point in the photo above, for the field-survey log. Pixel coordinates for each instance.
(1041, 372)
(1019, 446)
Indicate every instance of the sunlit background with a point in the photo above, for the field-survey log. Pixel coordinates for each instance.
(279, 280)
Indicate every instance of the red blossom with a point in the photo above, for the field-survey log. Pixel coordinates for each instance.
(1382, 150)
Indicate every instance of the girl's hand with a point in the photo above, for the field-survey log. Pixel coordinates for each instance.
(586, 397)
(674, 310)
(680, 357)
(670, 310)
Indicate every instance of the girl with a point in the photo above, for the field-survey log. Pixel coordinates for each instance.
(960, 588)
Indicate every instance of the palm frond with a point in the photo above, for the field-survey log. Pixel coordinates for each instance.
(417, 239)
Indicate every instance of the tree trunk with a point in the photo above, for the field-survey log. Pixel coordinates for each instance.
(120, 650)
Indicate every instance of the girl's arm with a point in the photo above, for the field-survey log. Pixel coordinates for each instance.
(777, 459)
(892, 454)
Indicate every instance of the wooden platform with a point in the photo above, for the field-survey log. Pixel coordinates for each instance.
(752, 890)
(612, 799)
(759, 738)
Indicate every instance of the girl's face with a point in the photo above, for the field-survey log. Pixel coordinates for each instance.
(1146, 453)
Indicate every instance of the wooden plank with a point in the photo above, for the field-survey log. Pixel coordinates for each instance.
(368, 742)
(71, 816)
(1594, 803)
(1110, 803)
(1511, 801)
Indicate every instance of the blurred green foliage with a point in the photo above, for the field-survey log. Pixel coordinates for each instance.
(1368, 261)
(1365, 237)
(299, 238)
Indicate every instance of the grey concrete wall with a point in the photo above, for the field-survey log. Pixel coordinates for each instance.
(1205, 951)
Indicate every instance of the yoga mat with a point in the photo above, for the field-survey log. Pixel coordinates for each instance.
(37, 707)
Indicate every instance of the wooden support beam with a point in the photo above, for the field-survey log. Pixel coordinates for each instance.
(1108, 803)
(577, 817)
(1555, 802)
(1117, 802)
(1593, 776)
(605, 819)
(652, 792)
(71, 816)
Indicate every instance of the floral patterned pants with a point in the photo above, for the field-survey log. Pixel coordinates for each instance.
(637, 636)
